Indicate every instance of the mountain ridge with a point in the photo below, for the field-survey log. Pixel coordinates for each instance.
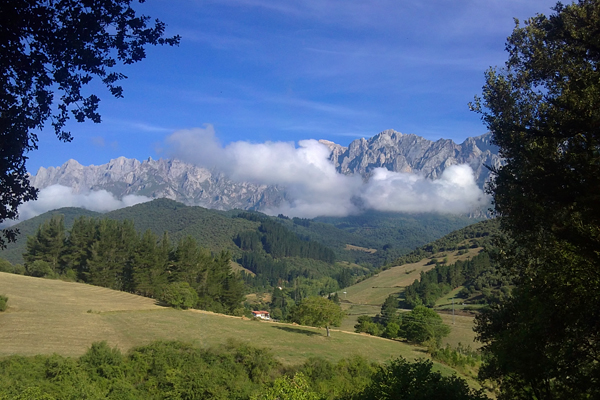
(193, 185)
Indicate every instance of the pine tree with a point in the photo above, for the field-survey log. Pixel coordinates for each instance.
(79, 246)
(48, 244)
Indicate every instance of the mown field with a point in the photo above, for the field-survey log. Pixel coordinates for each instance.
(51, 316)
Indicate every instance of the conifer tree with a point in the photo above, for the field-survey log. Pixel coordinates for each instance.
(79, 246)
(145, 265)
(48, 244)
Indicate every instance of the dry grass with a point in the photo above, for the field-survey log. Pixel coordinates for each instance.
(366, 297)
(376, 289)
(256, 298)
(366, 250)
(235, 267)
(454, 257)
(461, 331)
(47, 316)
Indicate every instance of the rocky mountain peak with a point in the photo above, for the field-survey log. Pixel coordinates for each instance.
(192, 185)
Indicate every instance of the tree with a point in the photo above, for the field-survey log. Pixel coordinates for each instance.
(389, 309)
(422, 324)
(543, 109)
(51, 49)
(179, 295)
(48, 244)
(401, 380)
(319, 312)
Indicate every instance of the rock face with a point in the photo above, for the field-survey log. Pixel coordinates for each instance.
(193, 185)
(411, 153)
(172, 179)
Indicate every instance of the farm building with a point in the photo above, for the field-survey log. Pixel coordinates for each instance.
(261, 314)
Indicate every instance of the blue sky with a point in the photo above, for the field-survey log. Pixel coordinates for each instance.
(261, 70)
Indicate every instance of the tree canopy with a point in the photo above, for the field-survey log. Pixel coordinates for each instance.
(543, 109)
(51, 49)
(319, 312)
(401, 380)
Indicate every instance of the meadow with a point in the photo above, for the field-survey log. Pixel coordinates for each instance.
(51, 316)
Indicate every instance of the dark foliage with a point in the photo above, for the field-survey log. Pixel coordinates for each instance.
(3, 303)
(479, 276)
(401, 380)
(543, 109)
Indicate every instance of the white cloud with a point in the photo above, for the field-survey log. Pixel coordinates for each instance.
(313, 185)
(58, 196)
(455, 192)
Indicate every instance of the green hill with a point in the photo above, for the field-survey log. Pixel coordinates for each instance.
(212, 229)
(367, 296)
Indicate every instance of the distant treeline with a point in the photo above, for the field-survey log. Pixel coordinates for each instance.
(112, 254)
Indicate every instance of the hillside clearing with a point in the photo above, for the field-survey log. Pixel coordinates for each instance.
(374, 290)
(358, 248)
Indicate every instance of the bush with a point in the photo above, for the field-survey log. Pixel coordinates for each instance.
(3, 302)
(39, 269)
(365, 324)
(179, 295)
(392, 330)
(6, 266)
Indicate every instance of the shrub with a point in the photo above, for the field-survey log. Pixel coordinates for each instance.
(6, 266)
(39, 269)
(179, 295)
(3, 302)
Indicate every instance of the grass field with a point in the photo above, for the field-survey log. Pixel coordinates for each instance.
(374, 290)
(377, 288)
(366, 297)
(51, 316)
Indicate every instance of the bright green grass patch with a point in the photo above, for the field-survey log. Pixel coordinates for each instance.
(377, 288)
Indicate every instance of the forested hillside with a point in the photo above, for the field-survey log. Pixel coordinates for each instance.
(390, 234)
(480, 234)
(110, 253)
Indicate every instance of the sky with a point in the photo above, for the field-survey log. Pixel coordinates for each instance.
(255, 83)
(285, 71)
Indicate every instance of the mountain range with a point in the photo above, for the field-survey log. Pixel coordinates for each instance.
(193, 185)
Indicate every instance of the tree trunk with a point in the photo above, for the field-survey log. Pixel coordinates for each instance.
(327, 327)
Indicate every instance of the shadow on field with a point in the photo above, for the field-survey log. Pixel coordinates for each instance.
(296, 330)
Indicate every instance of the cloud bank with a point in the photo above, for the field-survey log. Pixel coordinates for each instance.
(314, 186)
(58, 196)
